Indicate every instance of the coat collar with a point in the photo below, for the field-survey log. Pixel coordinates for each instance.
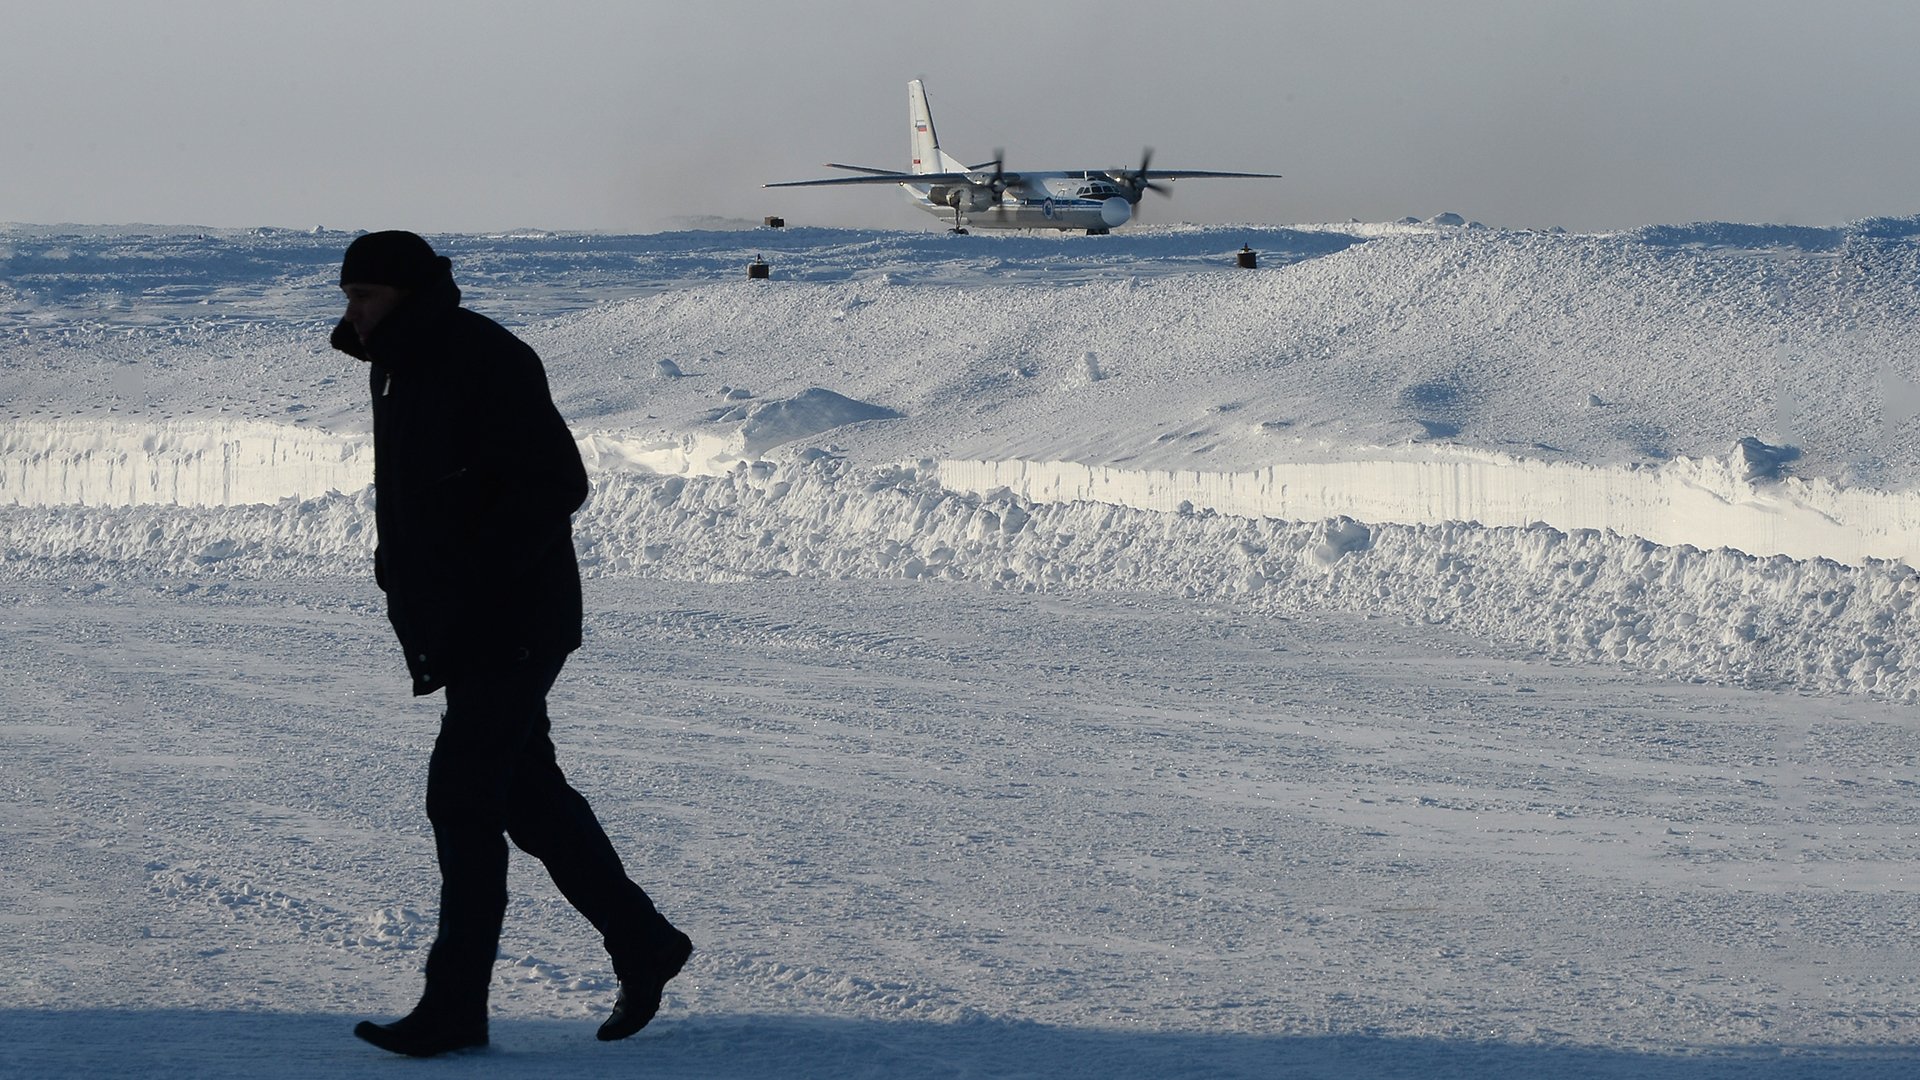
(405, 328)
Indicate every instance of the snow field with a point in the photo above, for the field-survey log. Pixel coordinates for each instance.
(1699, 387)
(1601, 350)
(937, 829)
(1008, 655)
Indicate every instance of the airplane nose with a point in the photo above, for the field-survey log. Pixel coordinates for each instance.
(1115, 211)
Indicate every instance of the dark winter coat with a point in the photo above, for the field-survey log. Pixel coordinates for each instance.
(475, 481)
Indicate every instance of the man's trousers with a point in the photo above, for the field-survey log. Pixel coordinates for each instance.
(493, 776)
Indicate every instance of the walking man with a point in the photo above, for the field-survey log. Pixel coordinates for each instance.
(475, 481)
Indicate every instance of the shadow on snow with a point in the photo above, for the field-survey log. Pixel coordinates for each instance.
(293, 1046)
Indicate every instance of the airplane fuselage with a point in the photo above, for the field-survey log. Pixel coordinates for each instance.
(1039, 202)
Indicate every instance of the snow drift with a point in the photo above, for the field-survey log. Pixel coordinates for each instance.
(1687, 449)
(1583, 594)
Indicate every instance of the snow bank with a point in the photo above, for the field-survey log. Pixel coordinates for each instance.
(1740, 502)
(1581, 595)
(330, 535)
(175, 463)
(1706, 504)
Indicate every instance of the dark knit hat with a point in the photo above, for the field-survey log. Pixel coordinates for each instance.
(395, 258)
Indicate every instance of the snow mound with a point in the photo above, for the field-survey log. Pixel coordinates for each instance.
(806, 414)
(1755, 460)
(1343, 535)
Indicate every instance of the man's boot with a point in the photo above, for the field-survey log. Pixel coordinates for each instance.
(642, 982)
(426, 1031)
(452, 1014)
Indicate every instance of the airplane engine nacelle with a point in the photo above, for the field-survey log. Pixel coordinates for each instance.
(969, 199)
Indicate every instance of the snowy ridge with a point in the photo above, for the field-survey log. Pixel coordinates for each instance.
(1580, 594)
(175, 463)
(291, 538)
(1584, 595)
(1706, 504)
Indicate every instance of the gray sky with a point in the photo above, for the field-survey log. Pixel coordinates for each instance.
(466, 115)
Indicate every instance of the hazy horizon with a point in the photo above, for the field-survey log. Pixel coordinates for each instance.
(446, 117)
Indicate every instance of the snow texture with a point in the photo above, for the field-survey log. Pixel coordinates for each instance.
(1441, 651)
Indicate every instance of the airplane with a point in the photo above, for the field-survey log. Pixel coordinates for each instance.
(988, 196)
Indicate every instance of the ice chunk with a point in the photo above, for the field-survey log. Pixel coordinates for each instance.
(1755, 460)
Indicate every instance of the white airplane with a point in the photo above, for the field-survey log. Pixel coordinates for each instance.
(989, 197)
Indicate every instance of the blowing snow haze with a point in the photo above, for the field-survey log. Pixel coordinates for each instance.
(441, 117)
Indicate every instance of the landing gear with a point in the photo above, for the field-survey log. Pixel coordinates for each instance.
(1097, 232)
(958, 229)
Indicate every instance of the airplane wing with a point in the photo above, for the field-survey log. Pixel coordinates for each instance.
(876, 176)
(1179, 174)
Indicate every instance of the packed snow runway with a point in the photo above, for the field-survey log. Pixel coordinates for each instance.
(942, 830)
(1439, 652)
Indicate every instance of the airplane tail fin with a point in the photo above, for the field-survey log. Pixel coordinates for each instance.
(927, 155)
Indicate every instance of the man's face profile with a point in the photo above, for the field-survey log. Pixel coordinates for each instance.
(368, 304)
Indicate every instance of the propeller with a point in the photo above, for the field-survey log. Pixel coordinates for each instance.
(999, 182)
(1138, 179)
